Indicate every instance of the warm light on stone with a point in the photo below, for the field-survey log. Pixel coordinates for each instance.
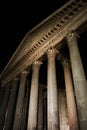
(48, 96)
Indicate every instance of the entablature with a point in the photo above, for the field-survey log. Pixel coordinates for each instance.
(37, 41)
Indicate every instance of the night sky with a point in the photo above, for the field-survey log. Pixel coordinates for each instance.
(17, 18)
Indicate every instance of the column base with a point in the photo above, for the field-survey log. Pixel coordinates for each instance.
(83, 125)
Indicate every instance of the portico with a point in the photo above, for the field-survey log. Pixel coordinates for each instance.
(30, 104)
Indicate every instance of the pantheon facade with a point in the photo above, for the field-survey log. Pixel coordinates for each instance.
(43, 86)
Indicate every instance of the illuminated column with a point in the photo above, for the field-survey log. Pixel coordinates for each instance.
(79, 78)
(4, 106)
(20, 100)
(40, 109)
(32, 115)
(52, 109)
(25, 108)
(63, 116)
(71, 106)
(11, 105)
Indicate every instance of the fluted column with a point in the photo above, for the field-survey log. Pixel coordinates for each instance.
(11, 105)
(32, 114)
(20, 100)
(71, 106)
(40, 109)
(79, 79)
(52, 109)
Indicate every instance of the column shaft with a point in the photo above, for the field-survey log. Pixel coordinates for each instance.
(63, 115)
(20, 100)
(11, 105)
(1, 95)
(32, 115)
(79, 79)
(71, 106)
(52, 92)
(25, 108)
(3, 107)
(45, 113)
(40, 109)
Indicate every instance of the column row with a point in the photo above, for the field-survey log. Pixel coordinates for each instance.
(75, 108)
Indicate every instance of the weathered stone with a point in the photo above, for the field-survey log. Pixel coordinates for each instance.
(32, 113)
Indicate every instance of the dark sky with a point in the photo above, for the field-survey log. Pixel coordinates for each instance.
(18, 17)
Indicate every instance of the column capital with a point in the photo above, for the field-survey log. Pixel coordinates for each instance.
(37, 64)
(72, 36)
(66, 62)
(15, 78)
(25, 72)
(60, 57)
(52, 52)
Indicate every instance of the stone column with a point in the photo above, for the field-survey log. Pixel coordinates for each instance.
(20, 100)
(40, 109)
(52, 105)
(32, 114)
(25, 108)
(71, 106)
(63, 118)
(11, 105)
(45, 111)
(3, 107)
(79, 79)
(1, 95)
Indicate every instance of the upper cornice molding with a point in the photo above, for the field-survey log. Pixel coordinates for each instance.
(38, 40)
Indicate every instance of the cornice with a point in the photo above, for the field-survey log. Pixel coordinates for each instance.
(50, 38)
